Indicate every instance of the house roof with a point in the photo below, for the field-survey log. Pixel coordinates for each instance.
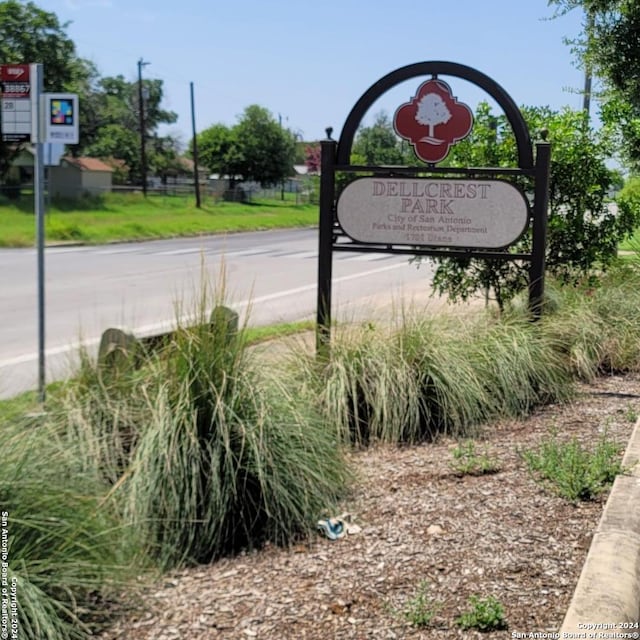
(189, 165)
(88, 164)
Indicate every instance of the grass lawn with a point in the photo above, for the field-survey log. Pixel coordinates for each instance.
(120, 217)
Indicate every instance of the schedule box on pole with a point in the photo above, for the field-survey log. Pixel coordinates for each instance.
(61, 117)
(15, 87)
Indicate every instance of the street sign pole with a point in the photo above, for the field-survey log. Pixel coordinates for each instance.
(38, 195)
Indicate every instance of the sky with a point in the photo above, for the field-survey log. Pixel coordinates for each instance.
(309, 62)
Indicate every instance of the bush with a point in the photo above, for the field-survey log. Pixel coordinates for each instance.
(485, 614)
(572, 472)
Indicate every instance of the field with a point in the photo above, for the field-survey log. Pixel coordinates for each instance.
(129, 217)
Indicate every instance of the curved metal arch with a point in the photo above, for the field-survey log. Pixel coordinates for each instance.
(519, 126)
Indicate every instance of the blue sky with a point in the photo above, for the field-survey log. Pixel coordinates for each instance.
(309, 62)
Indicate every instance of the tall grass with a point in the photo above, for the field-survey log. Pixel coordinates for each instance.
(102, 414)
(67, 548)
(206, 447)
(519, 366)
(208, 451)
(429, 376)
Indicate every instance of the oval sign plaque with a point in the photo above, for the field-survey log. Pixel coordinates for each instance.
(487, 214)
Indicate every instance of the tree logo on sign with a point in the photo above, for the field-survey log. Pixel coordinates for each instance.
(433, 121)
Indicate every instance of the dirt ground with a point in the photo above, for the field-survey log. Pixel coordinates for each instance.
(499, 534)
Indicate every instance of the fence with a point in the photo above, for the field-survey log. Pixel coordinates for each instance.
(306, 193)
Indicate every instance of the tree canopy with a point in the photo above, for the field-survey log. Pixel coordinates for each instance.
(27, 35)
(113, 126)
(378, 144)
(109, 106)
(257, 148)
(609, 46)
(583, 229)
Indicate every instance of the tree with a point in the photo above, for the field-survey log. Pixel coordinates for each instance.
(610, 47)
(113, 130)
(219, 151)
(267, 150)
(256, 148)
(28, 35)
(378, 144)
(583, 230)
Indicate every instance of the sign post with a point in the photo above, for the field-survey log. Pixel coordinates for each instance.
(430, 210)
(38, 194)
(29, 115)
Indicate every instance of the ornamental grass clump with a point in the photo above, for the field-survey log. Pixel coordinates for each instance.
(518, 364)
(67, 548)
(100, 412)
(616, 302)
(452, 398)
(596, 327)
(432, 376)
(365, 390)
(229, 457)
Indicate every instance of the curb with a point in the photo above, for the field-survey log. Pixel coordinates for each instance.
(607, 595)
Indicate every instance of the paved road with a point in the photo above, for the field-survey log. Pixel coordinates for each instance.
(138, 285)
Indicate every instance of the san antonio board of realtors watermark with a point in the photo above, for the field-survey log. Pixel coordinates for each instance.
(9, 626)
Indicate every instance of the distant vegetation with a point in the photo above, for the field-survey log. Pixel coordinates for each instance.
(123, 217)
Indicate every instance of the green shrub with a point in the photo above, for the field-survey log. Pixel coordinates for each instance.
(570, 471)
(485, 614)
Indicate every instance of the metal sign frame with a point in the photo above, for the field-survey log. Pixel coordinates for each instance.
(336, 157)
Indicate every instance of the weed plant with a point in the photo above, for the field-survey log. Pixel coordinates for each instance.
(571, 471)
(468, 461)
(484, 614)
(420, 610)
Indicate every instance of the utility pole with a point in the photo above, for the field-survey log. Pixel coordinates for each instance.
(282, 181)
(588, 72)
(196, 175)
(143, 153)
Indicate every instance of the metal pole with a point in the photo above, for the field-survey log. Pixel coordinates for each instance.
(143, 154)
(325, 244)
(539, 233)
(196, 175)
(281, 181)
(38, 194)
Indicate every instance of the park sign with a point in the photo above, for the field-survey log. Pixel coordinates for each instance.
(488, 214)
(443, 212)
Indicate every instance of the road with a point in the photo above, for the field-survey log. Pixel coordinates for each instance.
(143, 287)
